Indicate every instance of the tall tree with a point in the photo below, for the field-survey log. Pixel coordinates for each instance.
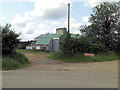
(9, 40)
(104, 27)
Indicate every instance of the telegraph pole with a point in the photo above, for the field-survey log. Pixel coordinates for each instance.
(68, 17)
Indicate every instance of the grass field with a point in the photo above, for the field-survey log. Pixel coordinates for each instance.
(83, 58)
(30, 51)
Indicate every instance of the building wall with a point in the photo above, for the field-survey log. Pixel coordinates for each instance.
(60, 31)
(29, 47)
(37, 47)
(55, 44)
(50, 47)
(40, 47)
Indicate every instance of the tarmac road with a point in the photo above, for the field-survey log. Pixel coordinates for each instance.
(58, 79)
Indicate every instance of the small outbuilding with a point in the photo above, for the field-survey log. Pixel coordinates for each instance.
(29, 46)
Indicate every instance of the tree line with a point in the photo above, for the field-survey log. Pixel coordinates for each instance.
(102, 35)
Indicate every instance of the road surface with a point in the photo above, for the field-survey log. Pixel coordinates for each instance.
(45, 73)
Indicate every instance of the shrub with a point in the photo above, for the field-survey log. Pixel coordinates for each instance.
(69, 46)
(8, 63)
(66, 45)
(19, 57)
(14, 61)
(97, 48)
(9, 40)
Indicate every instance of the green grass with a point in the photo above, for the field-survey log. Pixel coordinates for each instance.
(82, 58)
(9, 64)
(14, 61)
(30, 51)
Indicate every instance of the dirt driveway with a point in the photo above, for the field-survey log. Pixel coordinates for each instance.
(43, 63)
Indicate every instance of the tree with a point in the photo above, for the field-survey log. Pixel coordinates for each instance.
(9, 40)
(66, 44)
(104, 27)
(105, 22)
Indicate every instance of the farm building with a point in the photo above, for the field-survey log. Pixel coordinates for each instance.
(30, 46)
(48, 42)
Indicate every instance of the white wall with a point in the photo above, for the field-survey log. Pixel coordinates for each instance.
(28, 47)
(38, 47)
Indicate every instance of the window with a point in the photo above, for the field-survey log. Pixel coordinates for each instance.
(43, 47)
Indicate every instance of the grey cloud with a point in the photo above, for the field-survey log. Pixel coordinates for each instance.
(55, 13)
(22, 25)
(29, 32)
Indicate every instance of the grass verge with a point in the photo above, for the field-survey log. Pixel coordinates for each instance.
(30, 51)
(14, 61)
(82, 58)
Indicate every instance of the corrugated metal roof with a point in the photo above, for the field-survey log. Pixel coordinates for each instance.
(46, 38)
(43, 40)
(51, 35)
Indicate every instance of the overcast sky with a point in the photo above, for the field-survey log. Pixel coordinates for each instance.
(34, 17)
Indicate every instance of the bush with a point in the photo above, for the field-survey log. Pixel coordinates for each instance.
(97, 48)
(10, 40)
(66, 45)
(14, 61)
(19, 46)
(19, 57)
(8, 63)
(70, 46)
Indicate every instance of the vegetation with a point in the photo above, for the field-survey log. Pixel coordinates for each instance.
(101, 36)
(98, 38)
(22, 44)
(9, 40)
(104, 26)
(14, 61)
(81, 58)
(70, 46)
(30, 51)
(11, 59)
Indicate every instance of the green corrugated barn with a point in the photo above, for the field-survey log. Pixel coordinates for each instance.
(49, 42)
